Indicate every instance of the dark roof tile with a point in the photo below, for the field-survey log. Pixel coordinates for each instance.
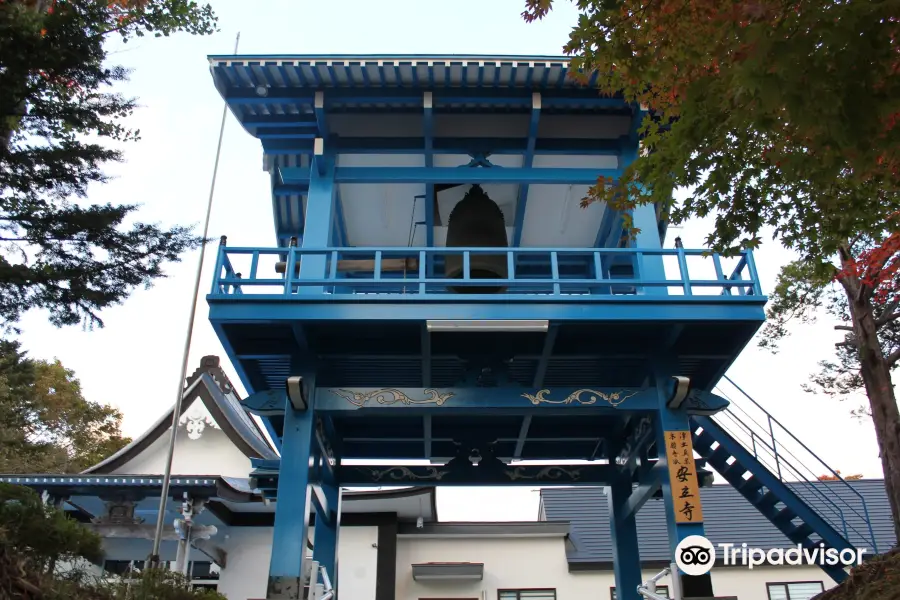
(728, 518)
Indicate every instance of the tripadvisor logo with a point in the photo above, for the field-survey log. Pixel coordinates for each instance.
(696, 555)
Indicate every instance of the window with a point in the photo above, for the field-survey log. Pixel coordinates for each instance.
(203, 570)
(117, 567)
(798, 590)
(526, 594)
(662, 590)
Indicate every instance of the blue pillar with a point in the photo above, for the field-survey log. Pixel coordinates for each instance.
(292, 507)
(644, 215)
(672, 420)
(623, 533)
(325, 541)
(650, 267)
(320, 211)
(677, 421)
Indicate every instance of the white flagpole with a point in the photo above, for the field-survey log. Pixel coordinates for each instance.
(176, 413)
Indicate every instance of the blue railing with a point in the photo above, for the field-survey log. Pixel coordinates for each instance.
(777, 449)
(416, 272)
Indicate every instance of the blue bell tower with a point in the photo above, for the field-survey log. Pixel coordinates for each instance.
(436, 298)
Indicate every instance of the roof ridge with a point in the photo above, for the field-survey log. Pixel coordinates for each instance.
(212, 365)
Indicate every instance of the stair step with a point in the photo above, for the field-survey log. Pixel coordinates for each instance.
(750, 485)
(703, 441)
(718, 457)
(734, 471)
(785, 515)
(767, 500)
(801, 532)
(776, 501)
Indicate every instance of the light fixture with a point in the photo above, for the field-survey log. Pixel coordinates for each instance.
(262, 91)
(296, 393)
(525, 325)
(680, 392)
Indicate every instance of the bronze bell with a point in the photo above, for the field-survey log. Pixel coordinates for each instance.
(477, 222)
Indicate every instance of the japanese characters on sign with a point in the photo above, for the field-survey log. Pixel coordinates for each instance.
(683, 477)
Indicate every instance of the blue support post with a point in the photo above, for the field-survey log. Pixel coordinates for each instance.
(527, 162)
(319, 218)
(648, 266)
(644, 215)
(623, 534)
(289, 535)
(430, 201)
(672, 420)
(676, 421)
(327, 529)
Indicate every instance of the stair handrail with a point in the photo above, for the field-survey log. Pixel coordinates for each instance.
(802, 478)
(772, 419)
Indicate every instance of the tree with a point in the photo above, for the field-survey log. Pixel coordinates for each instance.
(42, 552)
(46, 424)
(844, 477)
(58, 114)
(799, 297)
(778, 116)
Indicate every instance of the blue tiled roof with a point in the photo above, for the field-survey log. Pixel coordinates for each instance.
(728, 518)
(371, 71)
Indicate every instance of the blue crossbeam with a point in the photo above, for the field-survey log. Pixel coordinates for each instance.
(454, 145)
(379, 475)
(650, 484)
(523, 400)
(516, 399)
(299, 176)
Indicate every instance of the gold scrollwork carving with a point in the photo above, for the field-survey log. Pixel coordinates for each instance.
(545, 474)
(389, 396)
(406, 474)
(593, 396)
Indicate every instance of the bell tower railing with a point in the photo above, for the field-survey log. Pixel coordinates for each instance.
(402, 273)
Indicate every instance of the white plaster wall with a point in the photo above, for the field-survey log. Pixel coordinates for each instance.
(357, 562)
(749, 584)
(246, 571)
(211, 454)
(250, 548)
(521, 563)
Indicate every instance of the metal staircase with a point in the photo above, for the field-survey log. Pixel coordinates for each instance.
(741, 444)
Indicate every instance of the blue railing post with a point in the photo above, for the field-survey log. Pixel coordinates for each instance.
(720, 275)
(554, 272)
(291, 267)
(220, 259)
(751, 267)
(683, 270)
(775, 449)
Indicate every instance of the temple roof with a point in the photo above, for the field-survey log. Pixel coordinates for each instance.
(211, 386)
(433, 71)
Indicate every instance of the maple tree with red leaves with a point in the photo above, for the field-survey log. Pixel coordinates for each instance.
(838, 476)
(772, 118)
(59, 116)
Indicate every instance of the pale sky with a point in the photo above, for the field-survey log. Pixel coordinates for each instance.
(134, 362)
